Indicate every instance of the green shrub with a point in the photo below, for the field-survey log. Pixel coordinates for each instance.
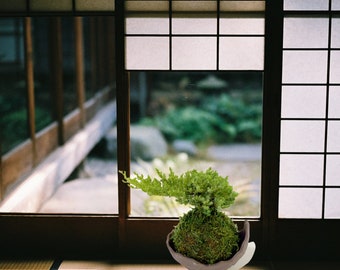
(204, 233)
(218, 119)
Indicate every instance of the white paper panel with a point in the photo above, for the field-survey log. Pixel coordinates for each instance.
(333, 139)
(334, 102)
(335, 67)
(229, 26)
(335, 4)
(194, 5)
(306, 4)
(147, 53)
(194, 25)
(332, 203)
(335, 39)
(194, 53)
(333, 170)
(303, 102)
(51, 5)
(148, 6)
(305, 33)
(304, 67)
(229, 5)
(301, 170)
(302, 136)
(98, 5)
(300, 203)
(241, 53)
(147, 25)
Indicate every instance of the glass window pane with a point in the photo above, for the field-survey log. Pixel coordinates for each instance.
(302, 136)
(194, 53)
(300, 203)
(241, 25)
(335, 67)
(241, 53)
(334, 102)
(304, 67)
(68, 45)
(335, 39)
(301, 170)
(306, 4)
(303, 102)
(333, 139)
(98, 5)
(333, 170)
(147, 25)
(335, 4)
(147, 53)
(195, 120)
(42, 82)
(194, 25)
(51, 5)
(305, 33)
(332, 203)
(13, 107)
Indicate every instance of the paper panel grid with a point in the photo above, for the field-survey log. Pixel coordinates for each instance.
(230, 25)
(335, 67)
(241, 53)
(147, 53)
(335, 37)
(332, 203)
(303, 102)
(189, 26)
(333, 140)
(334, 102)
(194, 53)
(305, 33)
(147, 25)
(306, 4)
(333, 170)
(300, 203)
(304, 67)
(306, 170)
(302, 136)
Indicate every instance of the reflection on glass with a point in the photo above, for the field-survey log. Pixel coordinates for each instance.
(42, 76)
(13, 112)
(197, 120)
(68, 45)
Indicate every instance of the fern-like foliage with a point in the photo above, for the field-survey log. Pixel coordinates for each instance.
(207, 191)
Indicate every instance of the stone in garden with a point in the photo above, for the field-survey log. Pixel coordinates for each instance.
(185, 146)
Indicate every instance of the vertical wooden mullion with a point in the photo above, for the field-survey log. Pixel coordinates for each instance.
(30, 85)
(79, 59)
(123, 121)
(271, 121)
(56, 68)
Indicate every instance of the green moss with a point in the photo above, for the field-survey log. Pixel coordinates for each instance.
(207, 239)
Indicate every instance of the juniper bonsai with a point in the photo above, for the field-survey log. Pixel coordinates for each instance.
(205, 233)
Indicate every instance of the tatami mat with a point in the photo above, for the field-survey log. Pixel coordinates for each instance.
(26, 265)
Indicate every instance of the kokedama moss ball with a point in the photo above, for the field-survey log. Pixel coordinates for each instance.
(206, 238)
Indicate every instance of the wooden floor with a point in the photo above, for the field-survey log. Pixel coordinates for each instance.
(103, 265)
